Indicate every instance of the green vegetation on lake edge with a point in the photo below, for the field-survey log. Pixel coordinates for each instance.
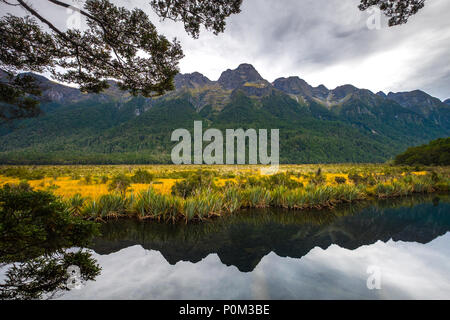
(435, 153)
(37, 235)
(196, 197)
(209, 203)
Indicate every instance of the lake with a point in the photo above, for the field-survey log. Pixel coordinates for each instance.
(392, 249)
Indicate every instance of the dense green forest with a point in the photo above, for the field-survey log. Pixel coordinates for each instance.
(437, 152)
(316, 125)
(102, 133)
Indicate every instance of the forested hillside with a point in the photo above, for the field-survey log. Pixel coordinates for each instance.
(436, 153)
(317, 125)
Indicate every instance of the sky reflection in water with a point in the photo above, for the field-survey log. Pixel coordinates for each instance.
(414, 265)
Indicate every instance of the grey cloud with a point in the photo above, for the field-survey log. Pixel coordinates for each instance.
(302, 38)
(322, 41)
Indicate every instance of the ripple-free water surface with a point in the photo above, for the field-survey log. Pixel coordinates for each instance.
(403, 244)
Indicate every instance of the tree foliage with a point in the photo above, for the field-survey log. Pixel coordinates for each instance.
(35, 223)
(196, 13)
(437, 152)
(118, 44)
(36, 231)
(43, 277)
(15, 99)
(120, 184)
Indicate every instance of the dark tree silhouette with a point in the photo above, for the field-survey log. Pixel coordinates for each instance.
(45, 276)
(36, 233)
(117, 44)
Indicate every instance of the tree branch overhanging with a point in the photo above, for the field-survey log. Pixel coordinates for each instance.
(120, 44)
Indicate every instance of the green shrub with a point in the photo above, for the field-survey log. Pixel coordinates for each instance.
(232, 200)
(23, 173)
(280, 179)
(104, 179)
(256, 197)
(203, 206)
(120, 184)
(355, 178)
(142, 176)
(22, 186)
(318, 179)
(195, 183)
(76, 204)
(33, 223)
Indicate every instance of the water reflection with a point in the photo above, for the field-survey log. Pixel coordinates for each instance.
(283, 255)
(243, 240)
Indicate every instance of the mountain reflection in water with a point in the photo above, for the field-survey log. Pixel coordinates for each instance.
(277, 254)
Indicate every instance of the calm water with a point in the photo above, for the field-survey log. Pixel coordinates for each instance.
(276, 254)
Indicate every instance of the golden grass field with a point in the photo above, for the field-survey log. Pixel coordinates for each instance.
(173, 193)
(67, 181)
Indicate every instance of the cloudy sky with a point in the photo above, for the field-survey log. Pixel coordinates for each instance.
(322, 41)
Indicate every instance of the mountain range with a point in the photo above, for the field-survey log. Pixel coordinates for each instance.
(317, 125)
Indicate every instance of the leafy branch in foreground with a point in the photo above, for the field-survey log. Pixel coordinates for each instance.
(119, 44)
(43, 277)
(36, 232)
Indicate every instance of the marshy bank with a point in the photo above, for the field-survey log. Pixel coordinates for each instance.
(198, 197)
(189, 194)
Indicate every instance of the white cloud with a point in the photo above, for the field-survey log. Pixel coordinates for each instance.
(409, 270)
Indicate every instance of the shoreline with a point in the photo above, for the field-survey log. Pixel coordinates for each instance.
(183, 194)
(331, 205)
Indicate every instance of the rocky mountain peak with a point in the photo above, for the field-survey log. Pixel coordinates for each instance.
(416, 99)
(422, 103)
(298, 86)
(191, 80)
(342, 91)
(232, 79)
(248, 68)
(293, 85)
(321, 87)
(321, 91)
(447, 102)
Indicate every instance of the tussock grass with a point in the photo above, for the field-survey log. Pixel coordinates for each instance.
(152, 205)
(198, 193)
(106, 207)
